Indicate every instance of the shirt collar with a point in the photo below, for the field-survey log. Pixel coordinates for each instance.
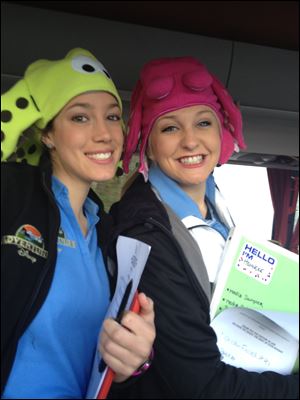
(61, 194)
(58, 188)
(172, 194)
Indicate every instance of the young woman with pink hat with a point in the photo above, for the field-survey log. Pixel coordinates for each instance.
(184, 123)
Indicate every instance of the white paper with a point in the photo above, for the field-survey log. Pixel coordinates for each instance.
(250, 340)
(132, 255)
(288, 321)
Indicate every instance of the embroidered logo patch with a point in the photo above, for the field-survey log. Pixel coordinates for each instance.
(29, 241)
(63, 241)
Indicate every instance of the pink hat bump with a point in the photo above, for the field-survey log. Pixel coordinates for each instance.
(168, 84)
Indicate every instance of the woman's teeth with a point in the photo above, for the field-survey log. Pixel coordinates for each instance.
(191, 160)
(100, 156)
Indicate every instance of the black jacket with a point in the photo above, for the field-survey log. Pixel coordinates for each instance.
(27, 267)
(187, 360)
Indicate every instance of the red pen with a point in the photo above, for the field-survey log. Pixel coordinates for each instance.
(103, 392)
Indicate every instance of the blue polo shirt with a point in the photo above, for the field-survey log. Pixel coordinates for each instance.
(55, 354)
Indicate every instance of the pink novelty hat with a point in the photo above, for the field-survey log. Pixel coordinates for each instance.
(167, 84)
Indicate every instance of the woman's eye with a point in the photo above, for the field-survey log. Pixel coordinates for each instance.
(114, 117)
(79, 118)
(204, 123)
(169, 129)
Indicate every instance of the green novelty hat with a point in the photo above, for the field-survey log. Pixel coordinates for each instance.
(36, 99)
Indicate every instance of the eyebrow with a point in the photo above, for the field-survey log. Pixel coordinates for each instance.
(90, 106)
(174, 117)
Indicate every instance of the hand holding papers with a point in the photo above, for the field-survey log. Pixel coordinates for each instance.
(109, 377)
(132, 255)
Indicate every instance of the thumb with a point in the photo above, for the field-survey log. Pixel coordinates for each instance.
(146, 308)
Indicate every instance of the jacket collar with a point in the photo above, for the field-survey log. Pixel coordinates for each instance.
(138, 204)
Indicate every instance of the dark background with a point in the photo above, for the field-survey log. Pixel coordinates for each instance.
(267, 23)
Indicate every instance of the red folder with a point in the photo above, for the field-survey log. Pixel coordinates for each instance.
(103, 392)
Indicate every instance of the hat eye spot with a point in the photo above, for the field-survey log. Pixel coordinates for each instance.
(88, 65)
(88, 68)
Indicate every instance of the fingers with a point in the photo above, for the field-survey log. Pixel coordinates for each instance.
(139, 325)
(133, 335)
(147, 308)
(121, 349)
(119, 359)
(126, 346)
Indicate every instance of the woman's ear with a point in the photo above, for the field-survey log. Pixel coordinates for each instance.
(49, 146)
(149, 152)
(47, 142)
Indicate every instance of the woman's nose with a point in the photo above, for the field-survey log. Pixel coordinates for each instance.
(101, 133)
(189, 139)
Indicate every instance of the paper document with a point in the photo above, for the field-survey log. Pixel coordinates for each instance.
(255, 305)
(132, 256)
(250, 340)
